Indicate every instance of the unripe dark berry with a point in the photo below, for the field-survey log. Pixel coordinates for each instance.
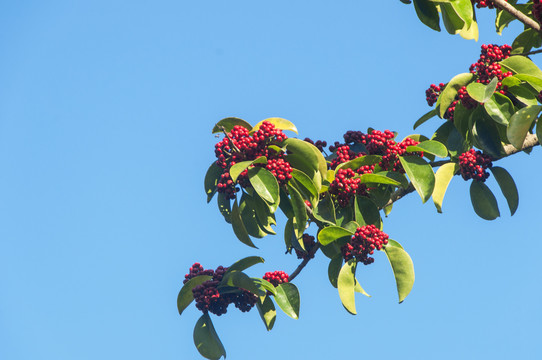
(308, 243)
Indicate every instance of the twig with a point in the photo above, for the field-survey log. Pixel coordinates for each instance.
(528, 53)
(502, 4)
(305, 261)
(229, 138)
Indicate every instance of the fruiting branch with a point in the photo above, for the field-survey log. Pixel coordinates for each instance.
(502, 4)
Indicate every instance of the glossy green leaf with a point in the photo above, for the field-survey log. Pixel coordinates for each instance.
(306, 187)
(521, 65)
(265, 184)
(238, 226)
(344, 215)
(245, 263)
(402, 266)
(211, 180)
(287, 299)
(520, 123)
(331, 233)
(264, 286)
(238, 168)
(334, 269)
(378, 179)
(452, 21)
(300, 212)
(267, 312)
(420, 174)
(427, 13)
(508, 187)
(325, 211)
(241, 280)
(206, 339)
(427, 116)
(523, 95)
(307, 158)
(500, 108)
(481, 92)
(443, 176)
(289, 234)
(229, 123)
(430, 146)
(346, 284)
(483, 201)
(359, 162)
(539, 131)
(279, 123)
(249, 218)
(359, 289)
(185, 296)
(400, 178)
(366, 212)
(264, 214)
(487, 136)
(450, 91)
(534, 81)
(285, 204)
(387, 209)
(525, 41)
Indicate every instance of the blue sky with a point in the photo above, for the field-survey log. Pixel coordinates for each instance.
(105, 117)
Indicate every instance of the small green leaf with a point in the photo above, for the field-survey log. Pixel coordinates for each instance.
(346, 214)
(249, 218)
(485, 132)
(520, 123)
(443, 176)
(500, 108)
(279, 123)
(427, 13)
(265, 285)
(483, 201)
(305, 186)
(525, 41)
(534, 81)
(402, 266)
(307, 158)
(508, 187)
(229, 123)
(359, 162)
(265, 184)
(378, 179)
(539, 131)
(241, 280)
(289, 234)
(238, 226)
(185, 296)
(452, 21)
(238, 168)
(331, 233)
(395, 176)
(430, 146)
(450, 91)
(224, 206)
(480, 92)
(359, 289)
(366, 212)
(211, 180)
(334, 269)
(245, 263)
(521, 65)
(267, 312)
(387, 209)
(300, 212)
(346, 284)
(429, 115)
(206, 339)
(420, 174)
(287, 299)
(325, 211)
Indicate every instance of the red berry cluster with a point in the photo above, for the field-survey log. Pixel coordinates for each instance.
(432, 94)
(276, 277)
(239, 146)
(484, 3)
(208, 297)
(345, 186)
(308, 243)
(320, 144)
(537, 10)
(473, 165)
(382, 143)
(366, 239)
(344, 154)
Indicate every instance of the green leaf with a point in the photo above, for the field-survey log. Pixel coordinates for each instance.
(267, 312)
(265, 184)
(224, 206)
(331, 233)
(483, 201)
(403, 181)
(287, 299)
(346, 214)
(264, 214)
(520, 123)
(521, 65)
(450, 91)
(456, 143)
(378, 179)
(238, 226)
(206, 339)
(307, 158)
(300, 212)
(305, 186)
(334, 269)
(430, 146)
(285, 204)
(485, 132)
(366, 212)
(427, 13)
(359, 162)
(429, 115)
(508, 187)
(211, 180)
(525, 41)
(420, 174)
(229, 123)
(245, 263)
(238, 168)
(359, 289)
(443, 176)
(387, 209)
(279, 123)
(452, 21)
(346, 284)
(534, 81)
(539, 131)
(325, 211)
(500, 108)
(249, 218)
(402, 266)
(289, 234)
(185, 296)
(265, 286)
(483, 93)
(241, 280)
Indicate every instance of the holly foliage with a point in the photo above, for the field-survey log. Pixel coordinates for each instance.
(482, 115)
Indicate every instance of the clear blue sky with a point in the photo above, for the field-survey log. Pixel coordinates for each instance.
(106, 109)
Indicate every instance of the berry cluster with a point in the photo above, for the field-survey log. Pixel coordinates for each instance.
(320, 144)
(239, 145)
(308, 243)
(276, 277)
(473, 165)
(208, 297)
(344, 154)
(345, 186)
(363, 243)
(432, 94)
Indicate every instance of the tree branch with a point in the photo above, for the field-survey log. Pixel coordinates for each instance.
(305, 261)
(502, 4)
(528, 53)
